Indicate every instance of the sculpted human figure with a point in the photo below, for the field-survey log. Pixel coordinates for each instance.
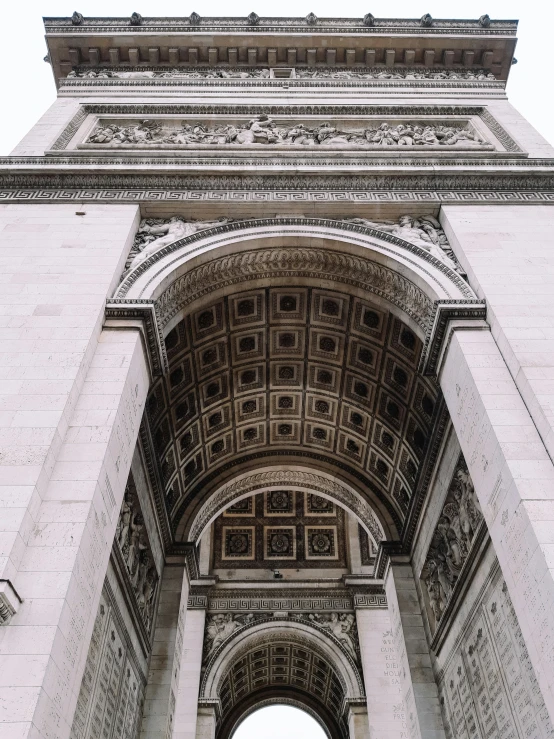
(124, 523)
(340, 626)
(166, 233)
(148, 596)
(433, 590)
(259, 131)
(453, 551)
(470, 512)
(220, 627)
(137, 525)
(141, 573)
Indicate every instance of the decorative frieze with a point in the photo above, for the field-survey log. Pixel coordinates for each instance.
(262, 129)
(241, 73)
(284, 601)
(534, 191)
(451, 545)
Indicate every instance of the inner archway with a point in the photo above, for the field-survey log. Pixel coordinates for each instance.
(275, 719)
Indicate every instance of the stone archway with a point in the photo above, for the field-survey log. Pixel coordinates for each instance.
(275, 659)
(385, 292)
(292, 355)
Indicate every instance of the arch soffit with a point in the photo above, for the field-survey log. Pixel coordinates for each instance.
(404, 275)
(306, 480)
(299, 634)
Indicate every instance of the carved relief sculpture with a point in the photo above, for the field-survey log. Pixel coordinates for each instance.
(219, 628)
(133, 543)
(264, 130)
(451, 544)
(154, 233)
(225, 73)
(423, 231)
(341, 626)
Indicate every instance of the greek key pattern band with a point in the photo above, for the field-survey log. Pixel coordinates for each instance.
(263, 196)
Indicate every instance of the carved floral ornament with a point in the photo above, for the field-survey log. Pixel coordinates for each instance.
(262, 130)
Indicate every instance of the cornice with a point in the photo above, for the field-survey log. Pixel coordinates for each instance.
(142, 162)
(445, 313)
(379, 26)
(248, 109)
(176, 186)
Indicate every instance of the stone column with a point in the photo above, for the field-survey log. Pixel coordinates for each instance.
(159, 702)
(62, 568)
(205, 556)
(513, 477)
(357, 722)
(207, 721)
(419, 689)
(188, 683)
(381, 673)
(353, 538)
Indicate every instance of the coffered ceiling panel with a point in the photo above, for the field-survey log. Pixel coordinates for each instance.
(289, 369)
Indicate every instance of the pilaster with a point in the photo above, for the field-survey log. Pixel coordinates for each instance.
(418, 686)
(385, 710)
(168, 634)
(513, 477)
(188, 684)
(63, 566)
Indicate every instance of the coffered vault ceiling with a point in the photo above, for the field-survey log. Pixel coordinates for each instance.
(282, 666)
(291, 371)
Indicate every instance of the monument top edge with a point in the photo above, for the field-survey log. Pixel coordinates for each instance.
(253, 22)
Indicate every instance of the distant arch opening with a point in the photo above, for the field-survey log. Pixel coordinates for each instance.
(273, 719)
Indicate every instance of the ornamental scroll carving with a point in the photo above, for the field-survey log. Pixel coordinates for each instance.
(263, 130)
(423, 231)
(341, 626)
(133, 543)
(452, 542)
(226, 73)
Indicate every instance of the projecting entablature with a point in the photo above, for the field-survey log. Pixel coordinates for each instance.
(277, 48)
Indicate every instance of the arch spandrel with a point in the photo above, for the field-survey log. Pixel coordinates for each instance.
(217, 258)
(268, 632)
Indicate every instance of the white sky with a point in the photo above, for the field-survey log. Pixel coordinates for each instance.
(27, 86)
(279, 722)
